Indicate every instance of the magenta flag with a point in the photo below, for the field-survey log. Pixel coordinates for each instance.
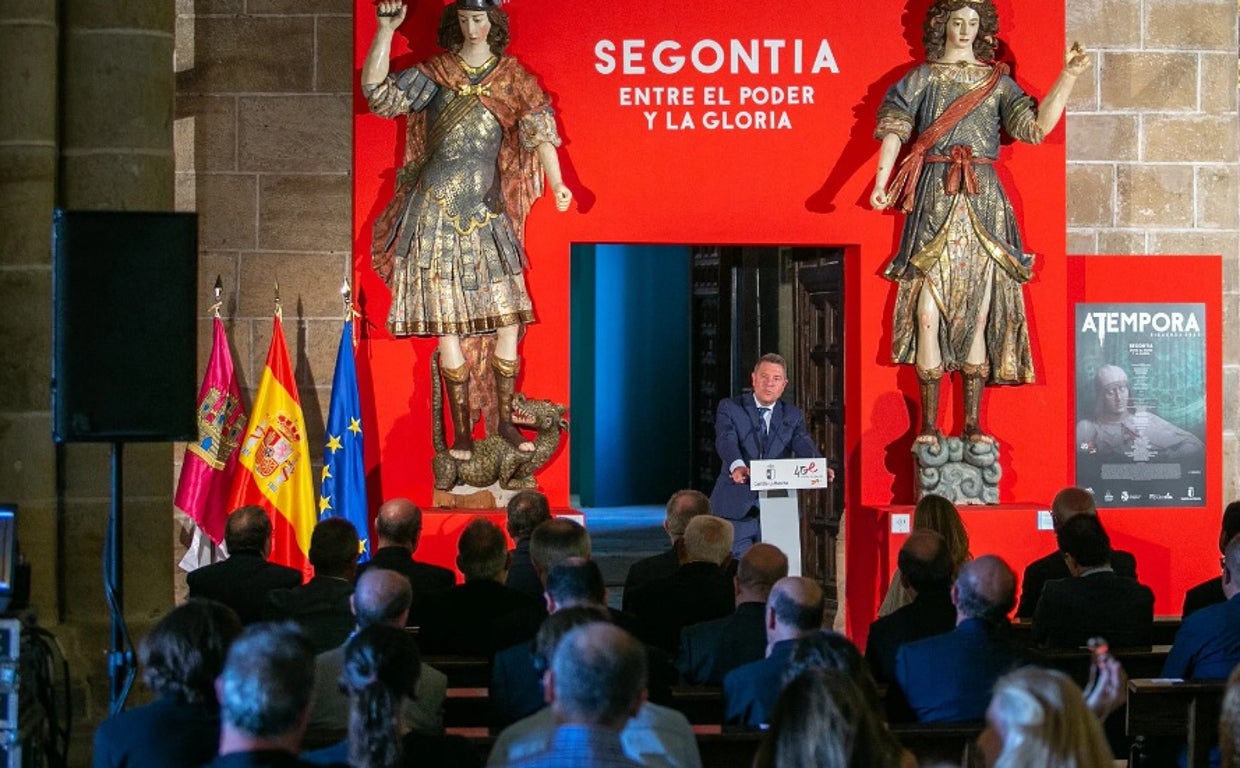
(211, 460)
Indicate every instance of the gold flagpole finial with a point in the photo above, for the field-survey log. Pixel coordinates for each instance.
(279, 306)
(219, 288)
(346, 293)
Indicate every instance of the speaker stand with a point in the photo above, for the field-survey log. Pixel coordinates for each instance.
(122, 667)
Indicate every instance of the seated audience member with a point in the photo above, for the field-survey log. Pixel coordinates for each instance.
(699, 590)
(264, 693)
(711, 649)
(381, 599)
(656, 736)
(321, 605)
(380, 673)
(1039, 717)
(461, 621)
(934, 513)
(682, 507)
(829, 650)
(245, 579)
(596, 684)
(822, 720)
(1210, 591)
(1229, 722)
(793, 611)
(925, 568)
(516, 679)
(1093, 602)
(1067, 504)
(526, 511)
(1207, 647)
(181, 657)
(399, 527)
(948, 678)
(552, 542)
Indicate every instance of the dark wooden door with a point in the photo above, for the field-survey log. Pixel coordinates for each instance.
(746, 301)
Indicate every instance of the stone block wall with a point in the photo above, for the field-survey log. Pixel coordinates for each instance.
(1154, 151)
(258, 142)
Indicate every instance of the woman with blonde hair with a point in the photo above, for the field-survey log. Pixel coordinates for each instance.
(939, 515)
(1040, 717)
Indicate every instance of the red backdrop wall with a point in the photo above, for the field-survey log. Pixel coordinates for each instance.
(652, 179)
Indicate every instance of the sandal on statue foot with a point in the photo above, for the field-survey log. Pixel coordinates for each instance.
(977, 436)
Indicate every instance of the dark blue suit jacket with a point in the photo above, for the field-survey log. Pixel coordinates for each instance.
(751, 690)
(948, 678)
(165, 732)
(738, 435)
(1208, 644)
(711, 649)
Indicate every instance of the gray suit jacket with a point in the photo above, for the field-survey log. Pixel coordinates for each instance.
(329, 710)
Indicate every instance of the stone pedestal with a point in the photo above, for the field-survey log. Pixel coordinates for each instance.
(960, 471)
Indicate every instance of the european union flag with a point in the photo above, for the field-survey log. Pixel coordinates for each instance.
(343, 489)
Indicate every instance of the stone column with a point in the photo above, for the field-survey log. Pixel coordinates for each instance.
(115, 153)
(28, 37)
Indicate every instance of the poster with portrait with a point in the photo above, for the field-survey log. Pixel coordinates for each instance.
(1140, 404)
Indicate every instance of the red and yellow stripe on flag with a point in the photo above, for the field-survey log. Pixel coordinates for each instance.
(274, 458)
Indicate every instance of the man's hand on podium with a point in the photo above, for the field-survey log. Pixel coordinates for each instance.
(740, 475)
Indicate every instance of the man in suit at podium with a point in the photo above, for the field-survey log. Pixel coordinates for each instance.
(755, 425)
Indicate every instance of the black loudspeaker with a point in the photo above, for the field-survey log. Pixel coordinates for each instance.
(124, 330)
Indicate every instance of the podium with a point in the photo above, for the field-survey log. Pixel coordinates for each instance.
(777, 482)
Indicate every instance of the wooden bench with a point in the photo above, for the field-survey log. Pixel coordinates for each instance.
(1165, 628)
(1176, 709)
(700, 704)
(1077, 663)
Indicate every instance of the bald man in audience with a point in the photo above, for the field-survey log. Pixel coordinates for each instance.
(1208, 643)
(399, 526)
(1066, 504)
(682, 507)
(793, 611)
(948, 678)
(382, 598)
(657, 736)
(596, 684)
(699, 590)
(244, 581)
(462, 620)
(711, 649)
(925, 569)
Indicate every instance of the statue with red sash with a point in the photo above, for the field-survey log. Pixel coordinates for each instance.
(480, 138)
(960, 267)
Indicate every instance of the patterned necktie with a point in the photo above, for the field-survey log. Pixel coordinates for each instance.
(764, 414)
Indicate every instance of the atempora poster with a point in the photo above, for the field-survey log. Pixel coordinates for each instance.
(1140, 404)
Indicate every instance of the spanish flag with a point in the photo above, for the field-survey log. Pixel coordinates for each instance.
(275, 460)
